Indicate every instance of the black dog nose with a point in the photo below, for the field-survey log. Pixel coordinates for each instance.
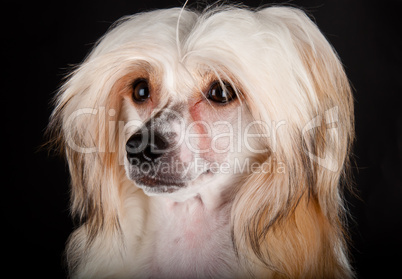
(149, 148)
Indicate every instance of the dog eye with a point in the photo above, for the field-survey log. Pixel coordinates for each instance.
(140, 91)
(221, 95)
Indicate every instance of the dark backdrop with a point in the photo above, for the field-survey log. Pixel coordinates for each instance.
(43, 40)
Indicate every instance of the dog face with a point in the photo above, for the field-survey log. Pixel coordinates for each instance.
(187, 138)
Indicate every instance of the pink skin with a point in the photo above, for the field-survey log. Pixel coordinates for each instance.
(207, 114)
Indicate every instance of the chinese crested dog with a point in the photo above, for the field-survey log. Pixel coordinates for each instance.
(208, 145)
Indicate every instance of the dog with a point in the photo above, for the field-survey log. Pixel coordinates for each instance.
(209, 144)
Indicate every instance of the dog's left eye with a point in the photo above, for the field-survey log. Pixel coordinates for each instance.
(140, 91)
(221, 95)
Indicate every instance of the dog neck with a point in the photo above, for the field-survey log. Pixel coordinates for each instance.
(193, 233)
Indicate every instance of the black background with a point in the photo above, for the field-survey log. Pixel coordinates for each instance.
(43, 40)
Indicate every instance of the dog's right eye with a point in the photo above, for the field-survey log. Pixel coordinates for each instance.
(140, 91)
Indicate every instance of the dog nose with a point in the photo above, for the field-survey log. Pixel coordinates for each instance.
(142, 149)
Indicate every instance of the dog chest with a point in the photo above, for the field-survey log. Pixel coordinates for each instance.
(193, 242)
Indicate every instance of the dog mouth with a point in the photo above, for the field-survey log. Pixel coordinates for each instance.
(155, 186)
(157, 182)
(158, 185)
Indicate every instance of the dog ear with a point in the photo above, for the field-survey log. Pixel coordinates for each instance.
(293, 220)
(84, 108)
